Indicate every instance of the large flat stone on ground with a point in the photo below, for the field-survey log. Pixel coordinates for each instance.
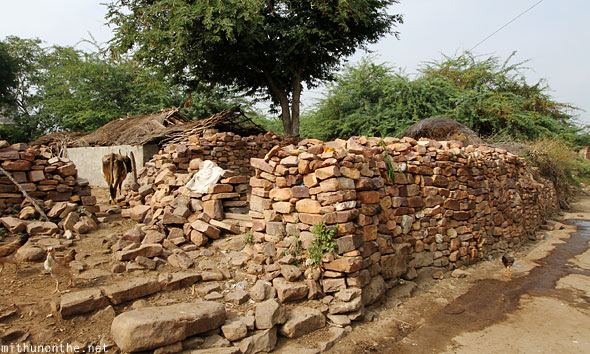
(146, 250)
(84, 301)
(301, 321)
(131, 289)
(152, 327)
(172, 281)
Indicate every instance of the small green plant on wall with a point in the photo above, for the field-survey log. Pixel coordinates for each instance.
(248, 237)
(391, 167)
(322, 243)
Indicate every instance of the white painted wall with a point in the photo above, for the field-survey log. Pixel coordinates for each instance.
(88, 160)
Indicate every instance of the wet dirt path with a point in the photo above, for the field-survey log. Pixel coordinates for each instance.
(544, 308)
(491, 301)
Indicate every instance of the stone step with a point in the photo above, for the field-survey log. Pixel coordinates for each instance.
(237, 216)
(225, 226)
(84, 301)
(242, 210)
(236, 203)
(240, 223)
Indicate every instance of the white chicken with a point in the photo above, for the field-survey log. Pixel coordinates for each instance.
(59, 266)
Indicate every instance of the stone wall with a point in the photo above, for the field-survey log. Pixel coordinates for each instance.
(41, 175)
(163, 202)
(229, 151)
(417, 204)
(53, 182)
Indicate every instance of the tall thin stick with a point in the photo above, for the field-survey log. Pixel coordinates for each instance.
(24, 192)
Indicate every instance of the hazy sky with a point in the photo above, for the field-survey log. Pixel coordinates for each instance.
(553, 35)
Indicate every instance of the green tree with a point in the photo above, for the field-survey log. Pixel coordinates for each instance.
(263, 47)
(7, 75)
(493, 97)
(84, 91)
(62, 88)
(29, 60)
(488, 95)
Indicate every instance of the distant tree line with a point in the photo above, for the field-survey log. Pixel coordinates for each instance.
(49, 89)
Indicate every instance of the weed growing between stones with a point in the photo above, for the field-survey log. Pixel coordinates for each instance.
(248, 237)
(322, 243)
(294, 248)
(391, 169)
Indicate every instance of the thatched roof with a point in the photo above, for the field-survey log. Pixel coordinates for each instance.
(442, 128)
(230, 120)
(165, 126)
(136, 130)
(59, 137)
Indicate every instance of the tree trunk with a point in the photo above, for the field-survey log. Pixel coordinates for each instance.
(290, 122)
(295, 105)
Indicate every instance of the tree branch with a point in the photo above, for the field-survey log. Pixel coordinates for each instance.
(24, 192)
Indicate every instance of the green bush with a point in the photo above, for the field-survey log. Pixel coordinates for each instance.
(322, 243)
(488, 95)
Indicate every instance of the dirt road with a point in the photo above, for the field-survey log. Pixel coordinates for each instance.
(544, 308)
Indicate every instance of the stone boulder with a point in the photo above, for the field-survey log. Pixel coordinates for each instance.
(263, 341)
(301, 321)
(269, 313)
(374, 291)
(152, 327)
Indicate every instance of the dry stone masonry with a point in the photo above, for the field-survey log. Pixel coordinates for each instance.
(53, 182)
(396, 205)
(181, 220)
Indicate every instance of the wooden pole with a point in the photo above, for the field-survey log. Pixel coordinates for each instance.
(24, 192)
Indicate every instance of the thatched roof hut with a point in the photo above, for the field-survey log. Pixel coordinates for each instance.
(164, 126)
(442, 128)
(136, 130)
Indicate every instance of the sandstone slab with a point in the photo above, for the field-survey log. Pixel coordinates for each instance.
(289, 291)
(301, 321)
(131, 289)
(79, 302)
(152, 327)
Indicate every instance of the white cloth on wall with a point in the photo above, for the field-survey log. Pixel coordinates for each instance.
(207, 176)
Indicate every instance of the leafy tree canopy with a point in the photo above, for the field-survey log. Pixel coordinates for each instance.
(62, 88)
(7, 75)
(488, 95)
(265, 47)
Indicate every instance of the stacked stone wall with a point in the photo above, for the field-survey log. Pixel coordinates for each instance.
(397, 205)
(53, 182)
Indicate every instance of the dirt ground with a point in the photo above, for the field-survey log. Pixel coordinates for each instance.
(544, 308)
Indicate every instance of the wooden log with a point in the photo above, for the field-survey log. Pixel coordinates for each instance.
(24, 192)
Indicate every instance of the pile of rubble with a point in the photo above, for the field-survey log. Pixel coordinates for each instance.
(206, 325)
(53, 184)
(180, 219)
